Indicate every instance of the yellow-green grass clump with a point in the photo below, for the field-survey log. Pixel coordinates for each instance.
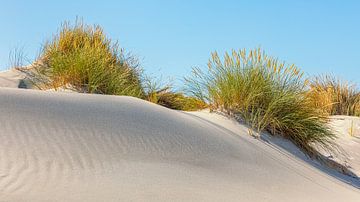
(263, 92)
(83, 58)
(178, 101)
(164, 95)
(334, 96)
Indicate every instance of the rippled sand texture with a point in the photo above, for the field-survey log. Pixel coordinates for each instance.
(76, 147)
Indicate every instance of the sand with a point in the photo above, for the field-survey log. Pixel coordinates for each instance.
(11, 78)
(347, 129)
(76, 147)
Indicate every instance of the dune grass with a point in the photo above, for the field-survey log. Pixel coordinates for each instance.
(266, 94)
(334, 96)
(161, 93)
(257, 87)
(16, 58)
(83, 58)
(178, 101)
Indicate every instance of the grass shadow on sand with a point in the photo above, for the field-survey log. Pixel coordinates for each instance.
(289, 150)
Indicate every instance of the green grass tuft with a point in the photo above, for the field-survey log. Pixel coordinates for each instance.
(82, 58)
(266, 94)
(164, 95)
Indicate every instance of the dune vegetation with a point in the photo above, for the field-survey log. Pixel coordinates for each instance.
(334, 96)
(264, 93)
(258, 89)
(83, 58)
(159, 92)
(176, 100)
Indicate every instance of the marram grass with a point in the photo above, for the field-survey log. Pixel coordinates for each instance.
(164, 95)
(82, 58)
(334, 96)
(267, 94)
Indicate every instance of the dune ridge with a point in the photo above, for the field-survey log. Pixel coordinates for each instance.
(77, 147)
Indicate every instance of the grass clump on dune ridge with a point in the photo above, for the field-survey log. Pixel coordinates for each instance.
(177, 100)
(334, 96)
(82, 58)
(263, 92)
(162, 94)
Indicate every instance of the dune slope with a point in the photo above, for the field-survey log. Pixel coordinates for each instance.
(76, 147)
(11, 78)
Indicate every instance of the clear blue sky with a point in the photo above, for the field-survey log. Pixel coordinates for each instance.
(170, 37)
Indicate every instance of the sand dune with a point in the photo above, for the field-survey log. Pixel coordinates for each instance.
(11, 78)
(76, 147)
(347, 129)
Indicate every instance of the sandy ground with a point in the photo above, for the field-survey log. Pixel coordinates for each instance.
(11, 78)
(76, 147)
(347, 153)
(347, 130)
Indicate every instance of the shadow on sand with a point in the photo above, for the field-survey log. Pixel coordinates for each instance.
(287, 148)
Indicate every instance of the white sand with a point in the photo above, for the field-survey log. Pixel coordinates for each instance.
(349, 146)
(347, 129)
(76, 147)
(11, 78)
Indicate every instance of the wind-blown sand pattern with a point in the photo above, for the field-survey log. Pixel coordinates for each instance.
(75, 147)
